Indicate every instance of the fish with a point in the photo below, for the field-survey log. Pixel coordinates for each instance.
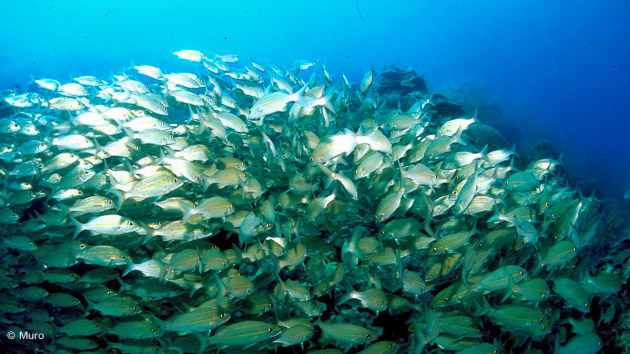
(347, 333)
(117, 306)
(201, 319)
(153, 186)
(501, 278)
(367, 81)
(333, 146)
(573, 293)
(589, 343)
(226, 205)
(451, 243)
(144, 328)
(106, 225)
(244, 333)
(103, 255)
(273, 103)
(190, 54)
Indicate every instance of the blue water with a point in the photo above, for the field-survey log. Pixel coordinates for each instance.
(558, 71)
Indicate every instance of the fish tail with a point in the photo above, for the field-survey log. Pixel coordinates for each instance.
(148, 230)
(78, 227)
(130, 268)
(120, 196)
(188, 212)
(159, 322)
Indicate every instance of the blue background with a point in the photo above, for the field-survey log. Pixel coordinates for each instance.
(558, 70)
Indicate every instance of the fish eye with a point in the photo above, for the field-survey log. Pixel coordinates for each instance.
(270, 330)
(553, 216)
(367, 336)
(82, 246)
(154, 330)
(134, 308)
(521, 272)
(455, 192)
(434, 249)
(585, 305)
(110, 292)
(574, 249)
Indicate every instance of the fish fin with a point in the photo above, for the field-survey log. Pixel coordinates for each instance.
(187, 212)
(538, 265)
(159, 322)
(482, 309)
(64, 208)
(433, 329)
(124, 286)
(163, 271)
(458, 137)
(148, 230)
(120, 196)
(128, 270)
(510, 289)
(298, 96)
(348, 295)
(202, 341)
(484, 153)
(78, 227)
(495, 216)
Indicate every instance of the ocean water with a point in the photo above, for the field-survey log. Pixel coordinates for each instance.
(384, 257)
(543, 71)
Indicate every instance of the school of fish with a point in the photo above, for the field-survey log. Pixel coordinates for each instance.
(244, 208)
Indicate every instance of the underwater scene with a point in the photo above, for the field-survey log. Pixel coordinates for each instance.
(332, 177)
